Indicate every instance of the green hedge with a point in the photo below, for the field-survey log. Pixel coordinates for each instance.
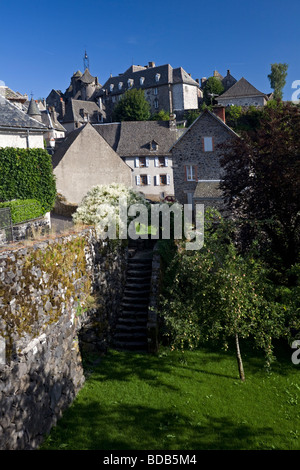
(22, 210)
(27, 174)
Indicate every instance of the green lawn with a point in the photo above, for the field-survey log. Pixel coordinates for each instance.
(140, 402)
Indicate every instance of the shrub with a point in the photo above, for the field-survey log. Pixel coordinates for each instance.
(22, 210)
(27, 174)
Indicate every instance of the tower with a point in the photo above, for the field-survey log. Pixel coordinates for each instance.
(86, 61)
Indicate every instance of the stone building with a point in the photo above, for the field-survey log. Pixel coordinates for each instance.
(242, 93)
(196, 159)
(79, 112)
(144, 146)
(165, 88)
(84, 159)
(18, 129)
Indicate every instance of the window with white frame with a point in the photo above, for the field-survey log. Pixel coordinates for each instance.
(142, 79)
(111, 87)
(142, 162)
(190, 172)
(155, 91)
(208, 144)
(120, 85)
(130, 82)
(162, 179)
(157, 77)
(143, 180)
(161, 162)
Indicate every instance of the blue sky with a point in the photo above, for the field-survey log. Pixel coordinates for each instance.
(43, 43)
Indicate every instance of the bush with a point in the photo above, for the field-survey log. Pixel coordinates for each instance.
(22, 210)
(27, 174)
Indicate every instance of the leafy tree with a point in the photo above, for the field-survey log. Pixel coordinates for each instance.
(161, 116)
(217, 295)
(192, 115)
(277, 79)
(212, 86)
(262, 182)
(132, 106)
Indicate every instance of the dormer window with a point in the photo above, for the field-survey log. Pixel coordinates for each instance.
(111, 87)
(157, 77)
(153, 146)
(130, 83)
(120, 85)
(142, 79)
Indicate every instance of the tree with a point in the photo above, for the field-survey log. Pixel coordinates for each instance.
(213, 86)
(277, 79)
(160, 116)
(132, 106)
(261, 182)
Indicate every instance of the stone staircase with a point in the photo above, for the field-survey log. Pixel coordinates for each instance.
(131, 328)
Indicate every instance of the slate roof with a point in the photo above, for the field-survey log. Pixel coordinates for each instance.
(168, 75)
(134, 138)
(50, 122)
(12, 95)
(87, 77)
(240, 89)
(33, 109)
(74, 107)
(11, 116)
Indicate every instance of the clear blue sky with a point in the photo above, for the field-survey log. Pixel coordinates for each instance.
(43, 42)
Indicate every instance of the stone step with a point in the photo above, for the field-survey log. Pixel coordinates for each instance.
(140, 261)
(133, 321)
(139, 300)
(140, 308)
(128, 292)
(131, 346)
(141, 274)
(131, 329)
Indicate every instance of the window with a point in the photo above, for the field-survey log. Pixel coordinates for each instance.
(208, 144)
(142, 79)
(191, 173)
(111, 87)
(143, 180)
(162, 180)
(141, 162)
(156, 103)
(153, 146)
(120, 85)
(155, 91)
(161, 162)
(157, 77)
(130, 82)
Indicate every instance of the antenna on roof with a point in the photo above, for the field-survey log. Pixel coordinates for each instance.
(86, 61)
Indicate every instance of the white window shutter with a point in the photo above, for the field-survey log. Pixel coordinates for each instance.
(168, 179)
(166, 161)
(148, 179)
(138, 180)
(156, 162)
(147, 162)
(137, 162)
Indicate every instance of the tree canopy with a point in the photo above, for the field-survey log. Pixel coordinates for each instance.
(132, 106)
(212, 86)
(277, 79)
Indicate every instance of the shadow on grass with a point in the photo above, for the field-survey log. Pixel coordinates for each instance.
(128, 427)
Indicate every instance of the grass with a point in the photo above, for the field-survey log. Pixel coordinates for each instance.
(193, 401)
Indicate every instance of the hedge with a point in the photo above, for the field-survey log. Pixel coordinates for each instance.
(27, 174)
(22, 210)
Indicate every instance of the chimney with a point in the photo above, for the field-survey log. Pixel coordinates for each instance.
(203, 80)
(228, 72)
(151, 64)
(62, 107)
(220, 112)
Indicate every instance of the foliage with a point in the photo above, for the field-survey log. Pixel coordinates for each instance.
(191, 116)
(217, 295)
(27, 174)
(277, 79)
(262, 182)
(132, 106)
(101, 206)
(160, 116)
(212, 85)
(22, 210)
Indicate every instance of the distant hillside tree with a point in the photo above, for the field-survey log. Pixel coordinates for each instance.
(212, 86)
(133, 106)
(277, 79)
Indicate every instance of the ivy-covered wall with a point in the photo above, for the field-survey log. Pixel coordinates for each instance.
(56, 298)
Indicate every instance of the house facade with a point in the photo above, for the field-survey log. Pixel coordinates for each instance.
(84, 159)
(165, 88)
(242, 93)
(144, 146)
(196, 160)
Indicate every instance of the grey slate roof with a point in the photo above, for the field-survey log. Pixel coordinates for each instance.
(33, 109)
(240, 89)
(87, 77)
(74, 113)
(12, 95)
(168, 75)
(134, 138)
(11, 116)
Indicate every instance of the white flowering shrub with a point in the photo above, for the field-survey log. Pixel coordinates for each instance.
(104, 207)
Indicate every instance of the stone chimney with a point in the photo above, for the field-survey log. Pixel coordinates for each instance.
(151, 64)
(220, 112)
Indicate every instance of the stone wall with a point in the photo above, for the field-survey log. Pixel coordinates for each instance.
(57, 297)
(26, 229)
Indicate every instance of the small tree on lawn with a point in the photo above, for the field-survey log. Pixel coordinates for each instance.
(277, 79)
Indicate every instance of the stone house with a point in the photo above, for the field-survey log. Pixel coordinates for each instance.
(242, 93)
(144, 147)
(196, 159)
(78, 112)
(18, 129)
(84, 159)
(165, 88)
